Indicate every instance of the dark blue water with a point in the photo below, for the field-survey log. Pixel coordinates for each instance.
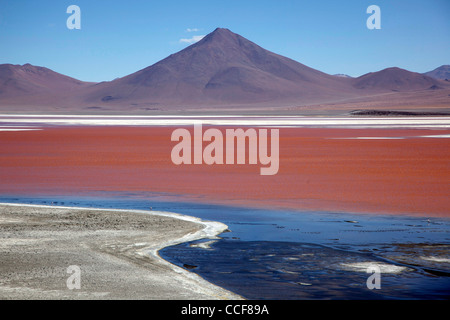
(282, 254)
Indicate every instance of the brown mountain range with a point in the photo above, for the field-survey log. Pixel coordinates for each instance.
(223, 70)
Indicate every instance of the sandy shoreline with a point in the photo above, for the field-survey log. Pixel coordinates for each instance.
(116, 251)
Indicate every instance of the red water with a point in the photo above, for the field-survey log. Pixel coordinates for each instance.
(407, 176)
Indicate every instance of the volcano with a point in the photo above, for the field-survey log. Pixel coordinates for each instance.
(222, 71)
(223, 68)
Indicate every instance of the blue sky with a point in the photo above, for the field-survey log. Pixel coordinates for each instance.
(121, 37)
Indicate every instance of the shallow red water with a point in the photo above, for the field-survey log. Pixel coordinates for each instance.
(406, 176)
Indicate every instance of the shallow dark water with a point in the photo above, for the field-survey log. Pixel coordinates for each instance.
(273, 254)
(287, 270)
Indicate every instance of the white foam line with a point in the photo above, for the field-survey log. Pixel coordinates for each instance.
(217, 116)
(3, 129)
(436, 259)
(369, 138)
(137, 116)
(437, 136)
(364, 266)
(211, 229)
(331, 122)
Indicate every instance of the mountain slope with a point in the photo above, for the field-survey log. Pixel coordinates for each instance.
(19, 80)
(27, 88)
(442, 73)
(396, 79)
(222, 68)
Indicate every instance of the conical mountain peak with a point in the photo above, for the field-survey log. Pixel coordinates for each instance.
(225, 68)
(222, 68)
(221, 37)
(221, 33)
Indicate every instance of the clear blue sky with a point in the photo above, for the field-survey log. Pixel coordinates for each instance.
(121, 37)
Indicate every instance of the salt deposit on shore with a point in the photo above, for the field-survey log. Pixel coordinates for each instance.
(116, 251)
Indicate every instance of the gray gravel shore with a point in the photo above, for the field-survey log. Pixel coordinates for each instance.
(115, 251)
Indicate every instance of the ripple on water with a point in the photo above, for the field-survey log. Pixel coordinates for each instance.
(286, 270)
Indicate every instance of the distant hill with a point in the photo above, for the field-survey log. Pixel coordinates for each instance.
(28, 85)
(396, 79)
(17, 80)
(442, 73)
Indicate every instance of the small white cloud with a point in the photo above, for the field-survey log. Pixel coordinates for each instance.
(192, 30)
(192, 40)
